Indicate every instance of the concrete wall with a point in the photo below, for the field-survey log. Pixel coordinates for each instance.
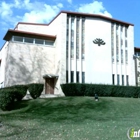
(27, 63)
(3, 56)
(59, 26)
(98, 65)
(131, 63)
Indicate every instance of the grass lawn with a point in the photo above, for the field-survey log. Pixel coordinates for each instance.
(71, 118)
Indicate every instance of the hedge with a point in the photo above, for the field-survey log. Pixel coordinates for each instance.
(76, 89)
(35, 90)
(20, 91)
(7, 98)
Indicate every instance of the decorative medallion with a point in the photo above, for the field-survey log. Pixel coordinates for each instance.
(98, 41)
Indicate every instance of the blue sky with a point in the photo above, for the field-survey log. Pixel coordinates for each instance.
(42, 11)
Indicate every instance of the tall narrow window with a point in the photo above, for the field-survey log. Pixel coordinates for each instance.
(126, 56)
(123, 80)
(125, 31)
(117, 44)
(126, 43)
(83, 38)
(66, 76)
(77, 76)
(118, 79)
(67, 40)
(127, 80)
(77, 38)
(72, 38)
(83, 77)
(113, 79)
(121, 55)
(72, 76)
(112, 41)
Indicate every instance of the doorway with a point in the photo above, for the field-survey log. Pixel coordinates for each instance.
(49, 86)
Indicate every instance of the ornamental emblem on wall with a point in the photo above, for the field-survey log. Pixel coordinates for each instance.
(98, 41)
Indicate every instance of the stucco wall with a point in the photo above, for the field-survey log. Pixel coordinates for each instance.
(131, 63)
(27, 63)
(98, 67)
(59, 26)
(3, 56)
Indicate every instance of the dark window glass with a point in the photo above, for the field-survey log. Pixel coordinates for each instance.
(66, 76)
(28, 40)
(127, 80)
(125, 31)
(18, 38)
(118, 79)
(49, 43)
(39, 41)
(83, 77)
(113, 79)
(72, 76)
(77, 76)
(123, 80)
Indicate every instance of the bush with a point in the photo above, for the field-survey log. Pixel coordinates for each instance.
(7, 98)
(20, 91)
(74, 89)
(35, 90)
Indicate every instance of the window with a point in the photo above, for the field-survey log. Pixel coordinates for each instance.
(125, 31)
(77, 38)
(77, 76)
(49, 43)
(112, 41)
(121, 55)
(113, 79)
(18, 38)
(39, 41)
(123, 80)
(72, 76)
(117, 44)
(28, 40)
(118, 79)
(127, 80)
(83, 77)
(72, 38)
(83, 38)
(126, 56)
(66, 76)
(126, 43)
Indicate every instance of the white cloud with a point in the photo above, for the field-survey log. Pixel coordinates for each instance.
(43, 15)
(95, 7)
(69, 1)
(27, 11)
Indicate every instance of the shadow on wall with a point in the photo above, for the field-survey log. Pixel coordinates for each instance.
(28, 66)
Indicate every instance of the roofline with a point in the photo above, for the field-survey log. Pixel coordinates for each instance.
(78, 14)
(96, 15)
(10, 33)
(29, 23)
(137, 48)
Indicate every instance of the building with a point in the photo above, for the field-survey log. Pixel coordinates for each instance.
(137, 65)
(73, 47)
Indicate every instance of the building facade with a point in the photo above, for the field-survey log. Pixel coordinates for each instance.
(73, 47)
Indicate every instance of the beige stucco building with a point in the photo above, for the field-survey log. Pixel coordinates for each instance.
(73, 47)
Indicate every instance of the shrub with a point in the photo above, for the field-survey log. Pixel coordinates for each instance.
(20, 91)
(74, 89)
(7, 98)
(35, 90)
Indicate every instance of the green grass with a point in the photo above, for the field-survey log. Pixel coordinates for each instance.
(71, 118)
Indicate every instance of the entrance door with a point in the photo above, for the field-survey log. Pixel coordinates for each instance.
(49, 86)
